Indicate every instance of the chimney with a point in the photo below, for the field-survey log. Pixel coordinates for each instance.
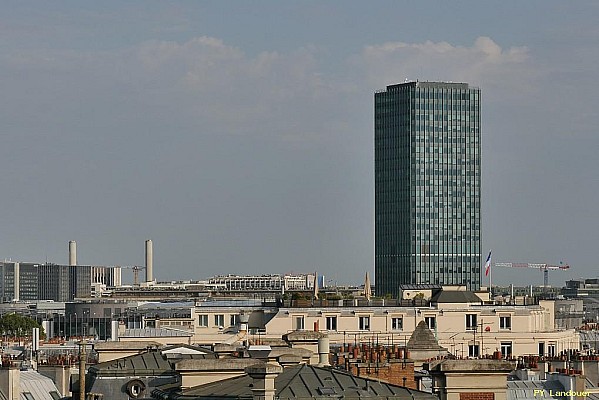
(35, 340)
(149, 261)
(263, 379)
(114, 330)
(82, 359)
(72, 252)
(243, 321)
(323, 351)
(10, 382)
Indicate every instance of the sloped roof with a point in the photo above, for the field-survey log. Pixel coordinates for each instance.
(149, 363)
(423, 339)
(185, 349)
(39, 386)
(525, 390)
(455, 296)
(306, 382)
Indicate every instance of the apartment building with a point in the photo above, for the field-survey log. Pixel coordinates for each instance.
(461, 323)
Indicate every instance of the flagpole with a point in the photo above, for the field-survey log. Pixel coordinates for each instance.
(490, 282)
(490, 276)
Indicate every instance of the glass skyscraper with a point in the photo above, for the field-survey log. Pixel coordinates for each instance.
(427, 143)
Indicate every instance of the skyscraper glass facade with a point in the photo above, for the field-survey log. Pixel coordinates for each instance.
(427, 142)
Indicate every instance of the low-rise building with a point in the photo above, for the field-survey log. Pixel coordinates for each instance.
(460, 321)
(465, 326)
(266, 283)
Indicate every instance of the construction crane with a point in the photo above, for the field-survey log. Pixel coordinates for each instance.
(136, 269)
(543, 267)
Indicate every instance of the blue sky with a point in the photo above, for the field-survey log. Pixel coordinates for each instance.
(238, 135)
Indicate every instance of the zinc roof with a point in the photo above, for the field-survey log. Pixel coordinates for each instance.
(307, 382)
(37, 386)
(525, 390)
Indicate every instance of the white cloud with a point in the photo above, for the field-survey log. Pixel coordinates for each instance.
(200, 84)
(483, 63)
(215, 83)
(206, 84)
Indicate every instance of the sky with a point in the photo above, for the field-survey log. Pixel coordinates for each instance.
(238, 136)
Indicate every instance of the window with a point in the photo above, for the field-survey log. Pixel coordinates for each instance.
(397, 323)
(299, 323)
(234, 320)
(364, 323)
(551, 350)
(332, 323)
(505, 322)
(506, 349)
(541, 348)
(430, 322)
(471, 322)
(219, 320)
(135, 388)
(473, 350)
(203, 320)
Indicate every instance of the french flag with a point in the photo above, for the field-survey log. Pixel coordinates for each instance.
(488, 264)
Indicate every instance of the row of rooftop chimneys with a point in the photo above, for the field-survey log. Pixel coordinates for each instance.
(149, 258)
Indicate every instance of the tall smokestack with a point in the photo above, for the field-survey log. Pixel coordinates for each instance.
(149, 261)
(72, 252)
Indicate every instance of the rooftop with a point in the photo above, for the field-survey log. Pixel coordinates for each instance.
(475, 365)
(149, 363)
(455, 296)
(307, 382)
(423, 339)
(154, 332)
(456, 85)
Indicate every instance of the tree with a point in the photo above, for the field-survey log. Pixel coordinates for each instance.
(18, 325)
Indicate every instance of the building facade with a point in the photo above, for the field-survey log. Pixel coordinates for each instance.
(272, 283)
(55, 282)
(464, 329)
(21, 281)
(427, 185)
(18, 281)
(462, 323)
